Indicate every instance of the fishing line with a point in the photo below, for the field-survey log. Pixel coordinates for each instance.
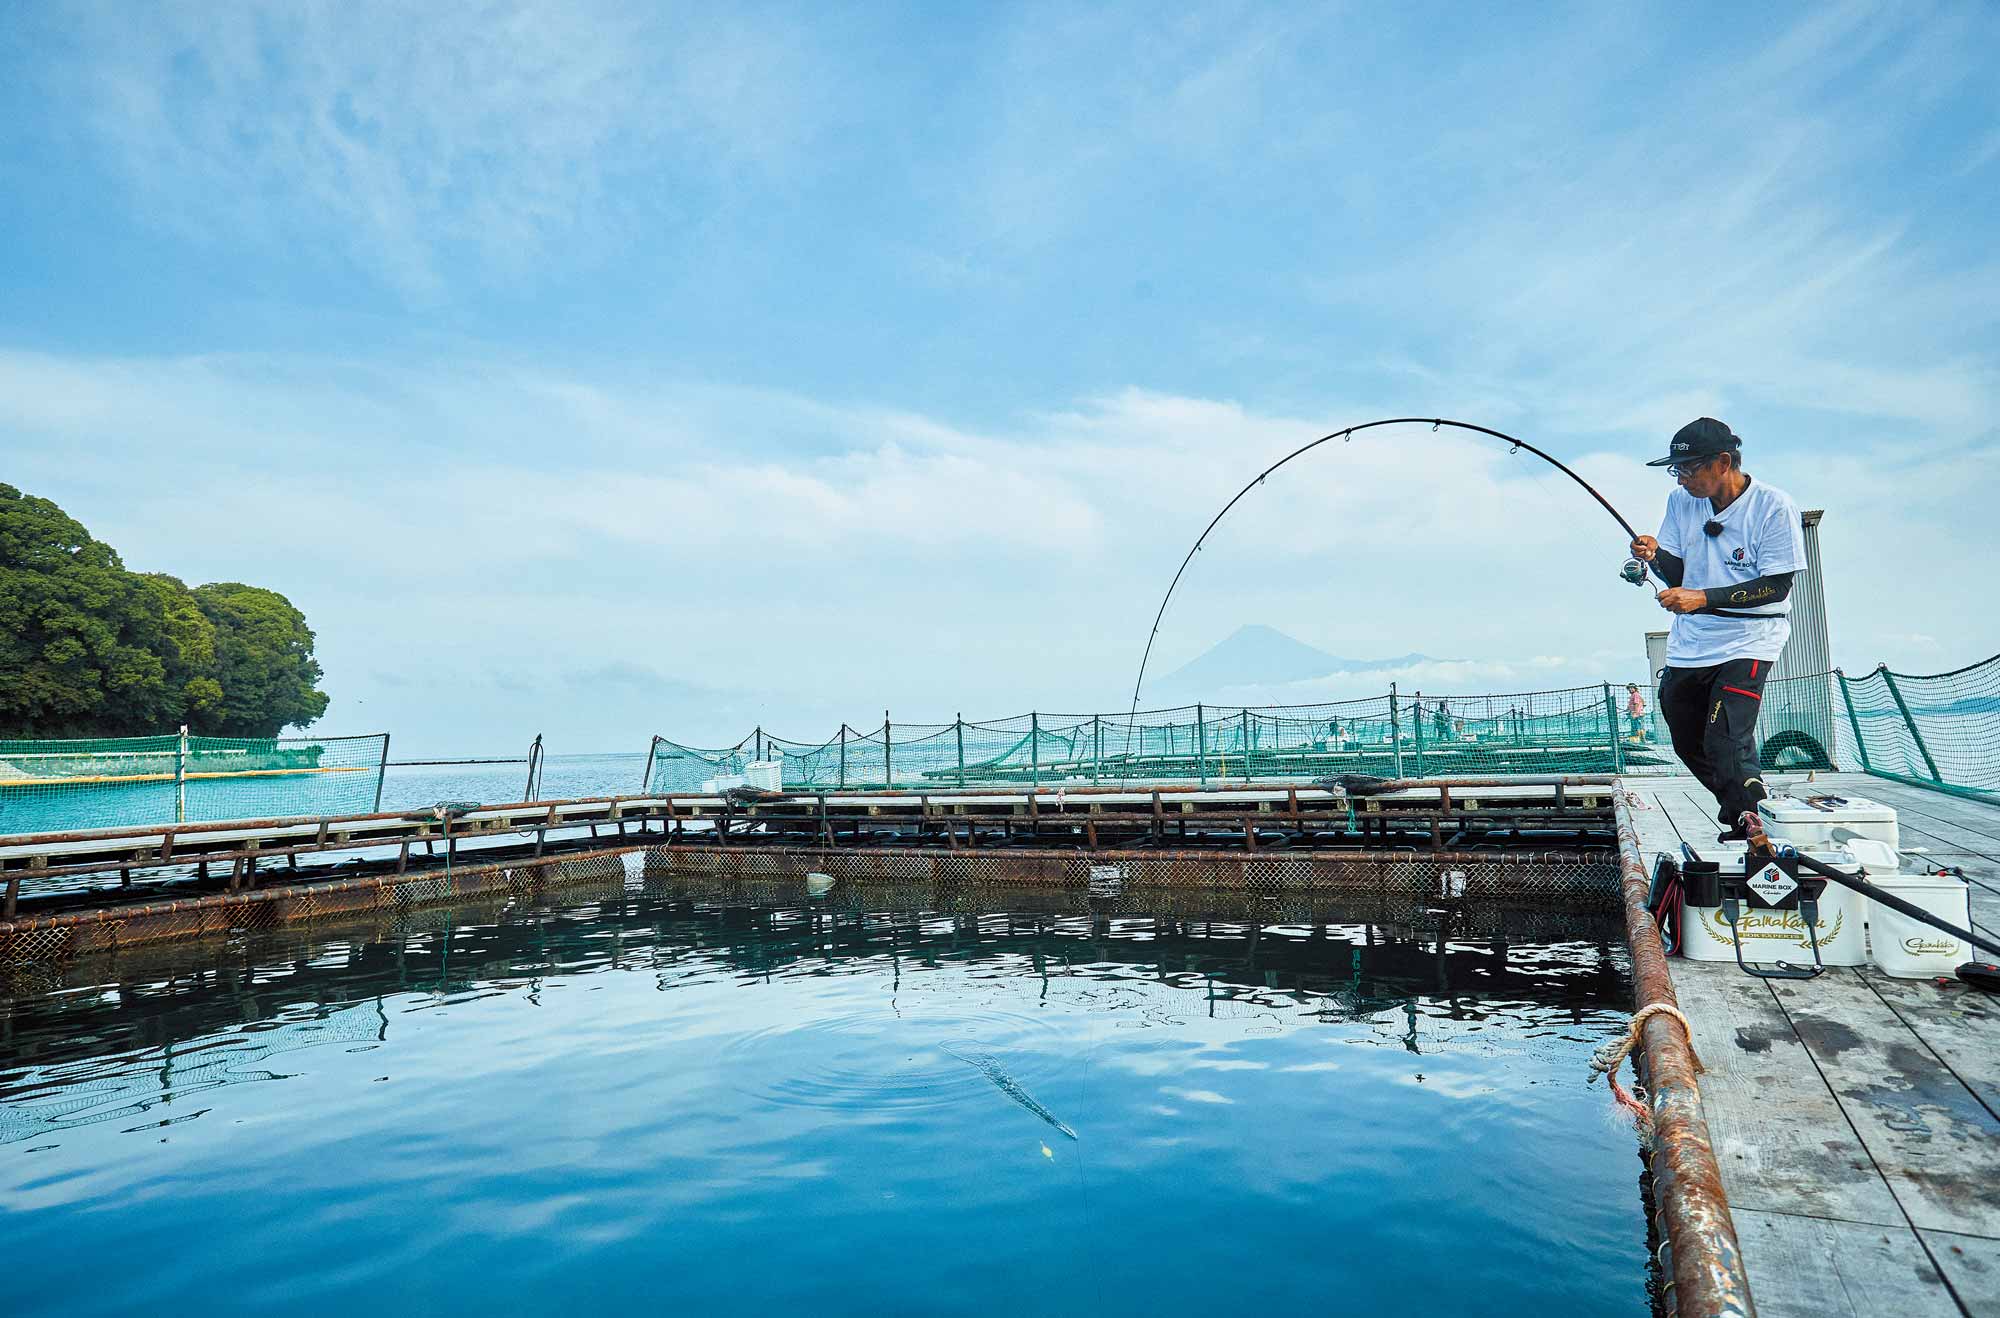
(1634, 571)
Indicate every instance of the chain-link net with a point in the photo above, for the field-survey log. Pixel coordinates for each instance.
(1573, 879)
(114, 782)
(1936, 730)
(32, 942)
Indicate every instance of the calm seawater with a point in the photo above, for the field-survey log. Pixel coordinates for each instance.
(660, 1104)
(563, 776)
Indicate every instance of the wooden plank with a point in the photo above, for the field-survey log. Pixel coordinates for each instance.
(1656, 829)
(1807, 1267)
(1971, 1264)
(1979, 867)
(1975, 817)
(1934, 1141)
(1779, 1135)
(1985, 917)
(1957, 1022)
(1693, 814)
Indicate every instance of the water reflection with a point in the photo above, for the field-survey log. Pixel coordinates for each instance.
(1351, 1083)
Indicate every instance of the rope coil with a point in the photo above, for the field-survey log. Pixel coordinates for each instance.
(1608, 1058)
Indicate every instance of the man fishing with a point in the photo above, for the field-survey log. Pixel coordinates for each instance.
(1728, 548)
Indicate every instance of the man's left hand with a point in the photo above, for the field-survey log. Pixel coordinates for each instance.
(1681, 599)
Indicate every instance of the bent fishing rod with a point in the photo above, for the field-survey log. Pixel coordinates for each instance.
(1634, 570)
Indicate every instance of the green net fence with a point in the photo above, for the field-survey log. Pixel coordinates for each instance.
(1585, 729)
(113, 782)
(1937, 730)
(1574, 730)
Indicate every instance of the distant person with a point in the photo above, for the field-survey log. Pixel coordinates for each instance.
(1635, 710)
(1441, 720)
(1728, 548)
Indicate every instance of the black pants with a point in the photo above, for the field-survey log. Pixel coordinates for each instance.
(1712, 714)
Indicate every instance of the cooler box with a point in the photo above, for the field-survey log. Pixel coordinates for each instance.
(1808, 822)
(1910, 949)
(1780, 935)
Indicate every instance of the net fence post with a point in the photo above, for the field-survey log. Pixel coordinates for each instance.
(1611, 724)
(1035, 749)
(534, 767)
(760, 741)
(843, 755)
(958, 725)
(1895, 691)
(1396, 729)
(652, 754)
(1096, 747)
(1417, 729)
(181, 777)
(381, 772)
(1854, 721)
(1201, 742)
(888, 753)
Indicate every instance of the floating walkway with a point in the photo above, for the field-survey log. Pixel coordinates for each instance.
(1500, 836)
(1854, 1118)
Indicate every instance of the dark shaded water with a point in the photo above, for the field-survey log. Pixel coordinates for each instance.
(657, 1103)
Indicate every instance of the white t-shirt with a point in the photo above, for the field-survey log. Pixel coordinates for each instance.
(1761, 534)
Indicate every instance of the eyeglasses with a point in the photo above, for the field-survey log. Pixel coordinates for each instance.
(1680, 469)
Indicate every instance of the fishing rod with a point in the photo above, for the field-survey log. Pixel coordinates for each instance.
(1633, 571)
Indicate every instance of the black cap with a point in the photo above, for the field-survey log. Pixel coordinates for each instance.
(1703, 437)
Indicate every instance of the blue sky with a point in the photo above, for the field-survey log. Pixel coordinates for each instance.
(611, 369)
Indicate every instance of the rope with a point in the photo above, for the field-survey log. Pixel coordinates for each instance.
(1608, 1058)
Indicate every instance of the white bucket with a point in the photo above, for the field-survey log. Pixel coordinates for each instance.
(1769, 935)
(1911, 949)
(767, 774)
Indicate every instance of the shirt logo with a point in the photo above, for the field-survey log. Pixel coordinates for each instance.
(1738, 555)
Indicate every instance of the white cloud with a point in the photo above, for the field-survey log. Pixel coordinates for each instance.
(885, 557)
(406, 136)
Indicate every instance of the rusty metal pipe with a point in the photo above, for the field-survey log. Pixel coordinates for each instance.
(1708, 1276)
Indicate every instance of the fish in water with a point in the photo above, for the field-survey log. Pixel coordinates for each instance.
(986, 1065)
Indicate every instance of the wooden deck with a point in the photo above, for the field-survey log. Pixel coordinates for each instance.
(1856, 1118)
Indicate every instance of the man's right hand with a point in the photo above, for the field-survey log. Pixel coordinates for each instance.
(1644, 547)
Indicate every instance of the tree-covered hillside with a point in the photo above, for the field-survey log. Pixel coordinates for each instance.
(88, 649)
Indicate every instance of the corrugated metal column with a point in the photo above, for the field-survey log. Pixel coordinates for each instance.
(1808, 654)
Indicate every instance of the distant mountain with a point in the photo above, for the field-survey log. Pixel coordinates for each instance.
(1256, 655)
